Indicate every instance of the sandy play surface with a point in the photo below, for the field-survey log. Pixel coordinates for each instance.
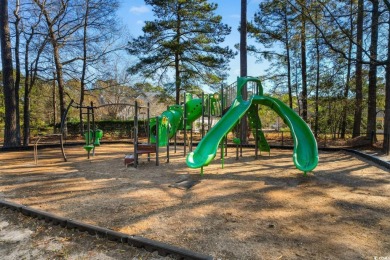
(251, 209)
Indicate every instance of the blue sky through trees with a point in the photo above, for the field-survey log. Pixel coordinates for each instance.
(135, 13)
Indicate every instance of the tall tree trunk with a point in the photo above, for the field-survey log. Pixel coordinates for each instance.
(372, 74)
(54, 99)
(359, 76)
(56, 54)
(316, 126)
(386, 141)
(317, 44)
(304, 66)
(17, 64)
(26, 105)
(287, 45)
(60, 82)
(348, 79)
(244, 65)
(84, 69)
(11, 131)
(177, 58)
(297, 89)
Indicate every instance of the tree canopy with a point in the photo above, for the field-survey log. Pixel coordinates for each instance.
(184, 42)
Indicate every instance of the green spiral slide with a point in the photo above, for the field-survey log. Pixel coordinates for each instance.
(305, 154)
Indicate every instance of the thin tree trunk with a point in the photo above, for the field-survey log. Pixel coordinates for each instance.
(372, 74)
(304, 66)
(386, 141)
(56, 56)
(243, 65)
(17, 65)
(177, 59)
(287, 44)
(316, 126)
(359, 76)
(317, 79)
(82, 81)
(348, 79)
(26, 105)
(54, 97)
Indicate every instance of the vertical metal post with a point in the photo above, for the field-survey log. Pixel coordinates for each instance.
(256, 139)
(89, 130)
(175, 139)
(168, 143)
(148, 126)
(185, 123)
(94, 129)
(135, 127)
(222, 101)
(222, 153)
(191, 139)
(157, 141)
(203, 108)
(209, 113)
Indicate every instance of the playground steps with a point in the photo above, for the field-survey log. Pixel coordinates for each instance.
(255, 124)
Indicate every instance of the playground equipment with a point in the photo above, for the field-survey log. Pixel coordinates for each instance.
(177, 117)
(92, 135)
(305, 154)
(182, 117)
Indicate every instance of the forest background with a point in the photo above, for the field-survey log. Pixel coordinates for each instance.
(328, 60)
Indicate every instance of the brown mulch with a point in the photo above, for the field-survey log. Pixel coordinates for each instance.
(250, 209)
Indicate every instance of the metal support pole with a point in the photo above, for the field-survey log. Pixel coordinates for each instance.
(185, 124)
(88, 129)
(191, 139)
(148, 126)
(135, 134)
(168, 143)
(157, 141)
(94, 129)
(203, 108)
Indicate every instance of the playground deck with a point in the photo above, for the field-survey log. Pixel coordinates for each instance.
(251, 209)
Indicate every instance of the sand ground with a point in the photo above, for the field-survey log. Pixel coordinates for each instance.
(250, 209)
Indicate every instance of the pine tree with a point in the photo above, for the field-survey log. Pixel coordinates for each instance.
(185, 37)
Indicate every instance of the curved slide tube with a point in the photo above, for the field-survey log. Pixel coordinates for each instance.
(305, 155)
(174, 117)
(207, 148)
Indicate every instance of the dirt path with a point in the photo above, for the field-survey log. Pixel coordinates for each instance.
(251, 209)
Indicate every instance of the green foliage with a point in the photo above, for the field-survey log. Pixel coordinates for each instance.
(185, 36)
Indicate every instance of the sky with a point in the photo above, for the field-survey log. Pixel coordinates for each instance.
(135, 12)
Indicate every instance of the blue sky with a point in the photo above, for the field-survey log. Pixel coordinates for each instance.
(134, 13)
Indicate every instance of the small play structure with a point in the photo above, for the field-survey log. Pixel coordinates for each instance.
(176, 118)
(92, 135)
(305, 154)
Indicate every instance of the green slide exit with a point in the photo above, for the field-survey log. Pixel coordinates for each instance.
(305, 154)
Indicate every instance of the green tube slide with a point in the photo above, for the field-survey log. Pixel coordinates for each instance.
(172, 120)
(305, 155)
(207, 148)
